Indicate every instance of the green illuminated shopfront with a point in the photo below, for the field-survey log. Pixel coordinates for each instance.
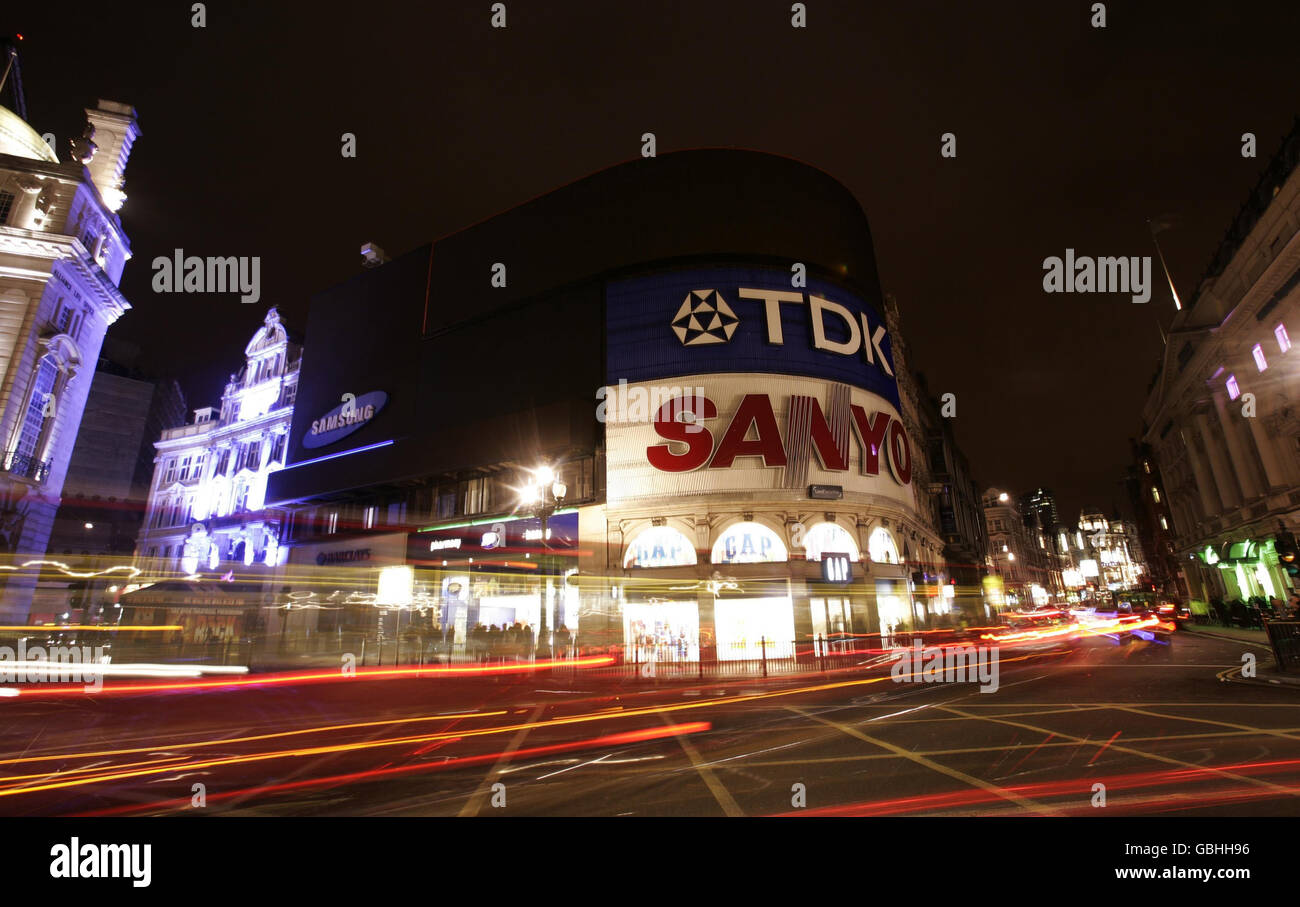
(1238, 570)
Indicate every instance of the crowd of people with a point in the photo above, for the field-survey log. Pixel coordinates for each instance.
(513, 642)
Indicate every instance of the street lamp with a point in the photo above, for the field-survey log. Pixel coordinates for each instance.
(543, 494)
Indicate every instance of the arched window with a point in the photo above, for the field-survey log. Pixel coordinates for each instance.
(748, 543)
(881, 546)
(830, 537)
(659, 546)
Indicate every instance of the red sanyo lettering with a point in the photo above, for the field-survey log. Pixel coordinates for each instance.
(698, 440)
(876, 434)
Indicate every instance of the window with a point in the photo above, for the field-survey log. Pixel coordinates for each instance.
(63, 318)
(333, 526)
(368, 519)
(169, 471)
(289, 394)
(1164, 524)
(1258, 352)
(223, 462)
(40, 409)
(476, 496)
(254, 455)
(1155, 495)
(881, 547)
(1283, 340)
(277, 448)
(446, 505)
(6, 205)
(1233, 390)
(185, 468)
(1146, 464)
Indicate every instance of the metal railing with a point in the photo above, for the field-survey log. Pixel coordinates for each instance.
(26, 466)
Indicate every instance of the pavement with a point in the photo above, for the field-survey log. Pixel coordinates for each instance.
(1266, 669)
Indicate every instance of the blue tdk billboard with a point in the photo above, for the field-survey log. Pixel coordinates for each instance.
(729, 320)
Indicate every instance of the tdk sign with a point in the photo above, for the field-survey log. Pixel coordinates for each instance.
(705, 317)
(745, 320)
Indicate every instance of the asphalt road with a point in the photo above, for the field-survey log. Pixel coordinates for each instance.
(1150, 722)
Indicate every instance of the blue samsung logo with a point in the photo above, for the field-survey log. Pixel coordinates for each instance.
(344, 419)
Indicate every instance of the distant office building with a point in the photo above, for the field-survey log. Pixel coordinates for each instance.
(107, 486)
(1040, 506)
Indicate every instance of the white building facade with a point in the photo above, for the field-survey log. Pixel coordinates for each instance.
(206, 502)
(62, 252)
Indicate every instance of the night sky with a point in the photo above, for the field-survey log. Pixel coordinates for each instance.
(1067, 136)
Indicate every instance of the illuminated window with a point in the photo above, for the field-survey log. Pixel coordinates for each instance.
(370, 514)
(1233, 390)
(829, 537)
(748, 543)
(333, 523)
(1258, 352)
(659, 546)
(1155, 495)
(1283, 341)
(1146, 464)
(881, 547)
(1164, 524)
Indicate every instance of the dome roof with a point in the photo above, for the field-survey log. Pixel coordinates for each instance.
(21, 140)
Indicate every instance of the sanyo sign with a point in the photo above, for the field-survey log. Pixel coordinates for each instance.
(754, 432)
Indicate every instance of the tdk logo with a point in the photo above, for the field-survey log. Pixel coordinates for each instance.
(704, 317)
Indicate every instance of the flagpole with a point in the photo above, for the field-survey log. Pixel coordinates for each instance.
(1160, 252)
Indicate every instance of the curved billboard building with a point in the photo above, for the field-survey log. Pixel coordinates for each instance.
(697, 347)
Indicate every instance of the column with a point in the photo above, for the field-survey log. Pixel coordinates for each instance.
(1211, 505)
(1242, 462)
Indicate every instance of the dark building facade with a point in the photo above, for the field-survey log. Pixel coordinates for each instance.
(695, 345)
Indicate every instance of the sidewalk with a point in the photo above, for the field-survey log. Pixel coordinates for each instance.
(1266, 671)
(1236, 634)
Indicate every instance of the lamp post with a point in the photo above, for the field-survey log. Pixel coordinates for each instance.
(544, 494)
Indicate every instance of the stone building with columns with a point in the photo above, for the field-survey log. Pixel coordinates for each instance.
(206, 509)
(62, 252)
(1223, 412)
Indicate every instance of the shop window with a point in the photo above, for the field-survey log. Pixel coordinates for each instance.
(748, 543)
(659, 546)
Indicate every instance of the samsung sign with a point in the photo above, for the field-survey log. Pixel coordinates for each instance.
(350, 415)
(738, 320)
